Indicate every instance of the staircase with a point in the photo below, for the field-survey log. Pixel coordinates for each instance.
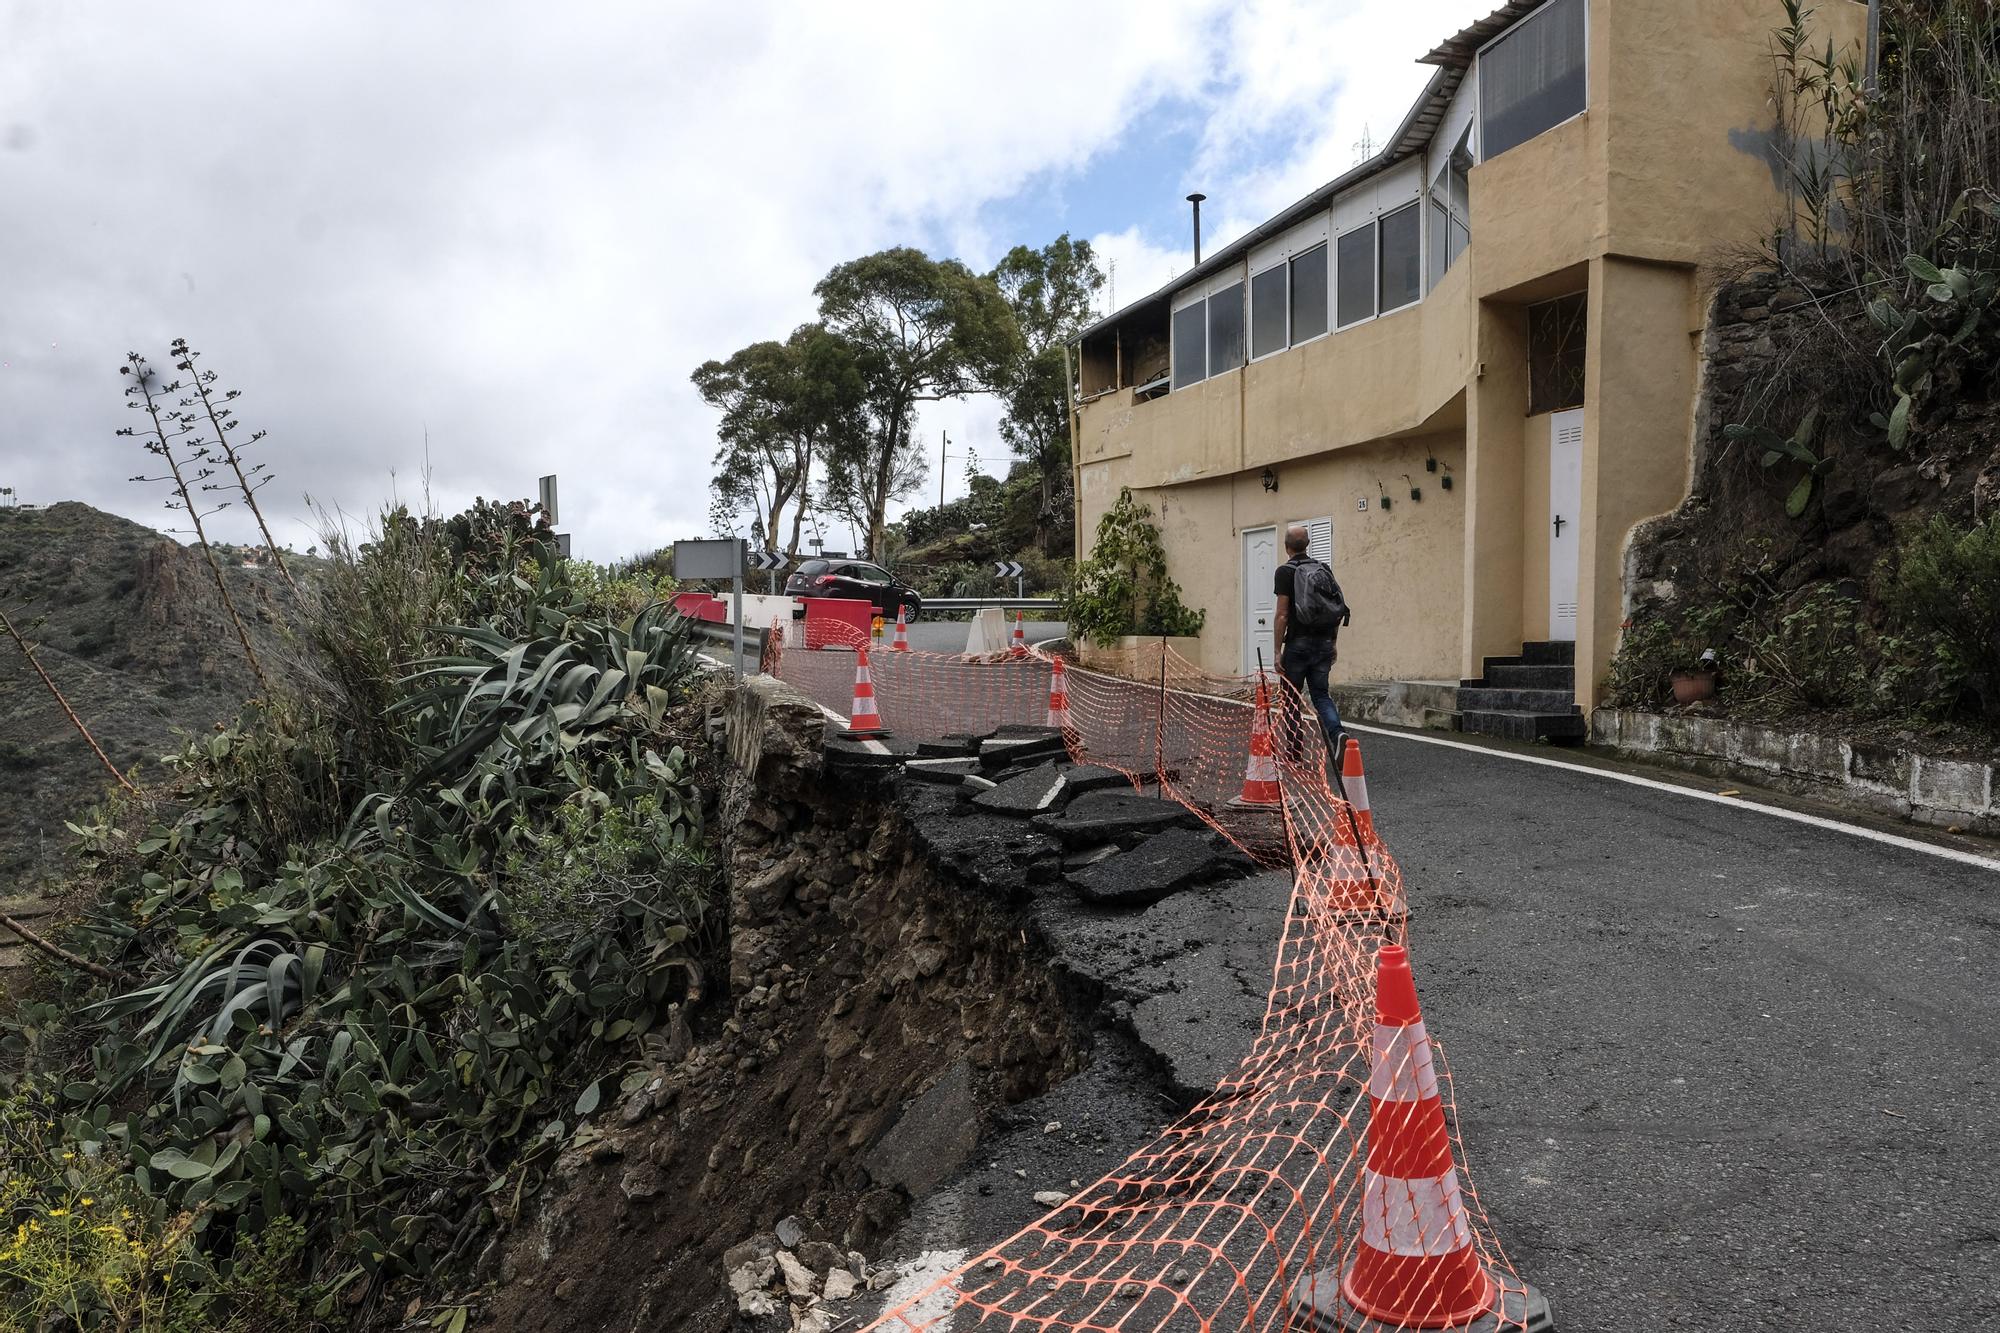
(1525, 698)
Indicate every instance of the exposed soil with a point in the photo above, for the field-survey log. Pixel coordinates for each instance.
(859, 981)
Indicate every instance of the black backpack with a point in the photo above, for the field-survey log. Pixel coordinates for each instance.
(1317, 603)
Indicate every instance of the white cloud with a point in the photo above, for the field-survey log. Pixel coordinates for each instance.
(522, 227)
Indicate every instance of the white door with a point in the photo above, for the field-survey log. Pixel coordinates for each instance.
(1260, 604)
(1565, 509)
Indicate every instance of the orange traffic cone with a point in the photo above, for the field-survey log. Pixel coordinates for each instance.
(1260, 770)
(1019, 648)
(1414, 1265)
(1059, 696)
(902, 640)
(1357, 887)
(1354, 785)
(862, 719)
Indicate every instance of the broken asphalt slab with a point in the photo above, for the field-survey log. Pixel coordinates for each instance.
(1162, 865)
(1031, 793)
(995, 854)
(946, 771)
(1114, 816)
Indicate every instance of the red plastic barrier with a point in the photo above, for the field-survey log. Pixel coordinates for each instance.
(701, 606)
(831, 622)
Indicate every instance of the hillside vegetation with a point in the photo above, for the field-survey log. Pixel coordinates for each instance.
(363, 958)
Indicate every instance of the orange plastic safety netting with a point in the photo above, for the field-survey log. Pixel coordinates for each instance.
(1248, 1211)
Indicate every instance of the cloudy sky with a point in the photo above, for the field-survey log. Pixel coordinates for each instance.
(515, 228)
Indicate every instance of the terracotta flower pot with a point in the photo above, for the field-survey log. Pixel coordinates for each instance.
(1691, 687)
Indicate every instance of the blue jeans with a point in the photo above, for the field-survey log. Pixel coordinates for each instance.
(1305, 663)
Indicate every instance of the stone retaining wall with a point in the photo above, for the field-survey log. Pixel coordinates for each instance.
(1951, 793)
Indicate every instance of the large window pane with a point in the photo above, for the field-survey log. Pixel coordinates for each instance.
(1190, 345)
(1309, 294)
(1354, 275)
(1225, 330)
(1402, 257)
(1267, 311)
(1440, 241)
(1532, 78)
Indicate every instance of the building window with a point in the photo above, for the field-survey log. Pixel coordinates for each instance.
(1556, 337)
(1225, 329)
(1267, 312)
(1354, 276)
(1532, 77)
(1309, 294)
(1451, 228)
(1402, 258)
(1191, 344)
(1208, 337)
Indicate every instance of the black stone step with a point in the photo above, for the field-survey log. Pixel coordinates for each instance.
(1514, 725)
(1546, 653)
(1529, 678)
(1491, 699)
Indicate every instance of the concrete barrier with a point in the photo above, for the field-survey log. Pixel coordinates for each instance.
(988, 633)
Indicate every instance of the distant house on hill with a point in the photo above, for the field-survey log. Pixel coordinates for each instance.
(1471, 364)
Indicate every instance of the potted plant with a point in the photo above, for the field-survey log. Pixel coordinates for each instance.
(1693, 684)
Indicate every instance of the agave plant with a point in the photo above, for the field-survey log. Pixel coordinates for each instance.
(334, 1033)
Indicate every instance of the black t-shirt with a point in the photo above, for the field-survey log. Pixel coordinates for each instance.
(1281, 584)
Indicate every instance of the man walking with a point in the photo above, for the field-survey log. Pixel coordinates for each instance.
(1311, 611)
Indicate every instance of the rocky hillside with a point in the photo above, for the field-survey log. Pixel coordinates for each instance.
(129, 624)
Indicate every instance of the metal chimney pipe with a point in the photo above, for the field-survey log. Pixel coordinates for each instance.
(1196, 199)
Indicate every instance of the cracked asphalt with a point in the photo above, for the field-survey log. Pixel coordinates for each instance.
(1713, 1069)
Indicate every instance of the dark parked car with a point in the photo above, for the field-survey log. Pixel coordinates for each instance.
(857, 579)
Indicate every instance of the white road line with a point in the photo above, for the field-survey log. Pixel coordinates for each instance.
(1733, 802)
(872, 747)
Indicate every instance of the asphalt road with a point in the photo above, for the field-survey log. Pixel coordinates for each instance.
(1714, 1070)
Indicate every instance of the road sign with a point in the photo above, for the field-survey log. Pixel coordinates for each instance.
(717, 558)
(713, 558)
(763, 560)
(1007, 569)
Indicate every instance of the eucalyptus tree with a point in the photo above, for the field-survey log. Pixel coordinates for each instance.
(1053, 294)
(784, 405)
(923, 330)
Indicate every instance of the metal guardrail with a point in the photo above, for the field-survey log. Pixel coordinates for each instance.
(716, 631)
(981, 603)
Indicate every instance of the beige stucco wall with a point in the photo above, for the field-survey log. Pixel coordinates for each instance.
(1638, 418)
(1402, 569)
(1535, 519)
(1388, 376)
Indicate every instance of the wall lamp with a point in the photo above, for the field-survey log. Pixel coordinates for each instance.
(1270, 480)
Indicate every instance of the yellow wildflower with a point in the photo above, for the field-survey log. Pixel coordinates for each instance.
(58, 1212)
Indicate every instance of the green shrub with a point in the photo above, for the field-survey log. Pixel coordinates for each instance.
(1810, 657)
(1947, 588)
(1123, 587)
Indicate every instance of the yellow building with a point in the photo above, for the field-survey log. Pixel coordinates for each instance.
(1471, 365)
